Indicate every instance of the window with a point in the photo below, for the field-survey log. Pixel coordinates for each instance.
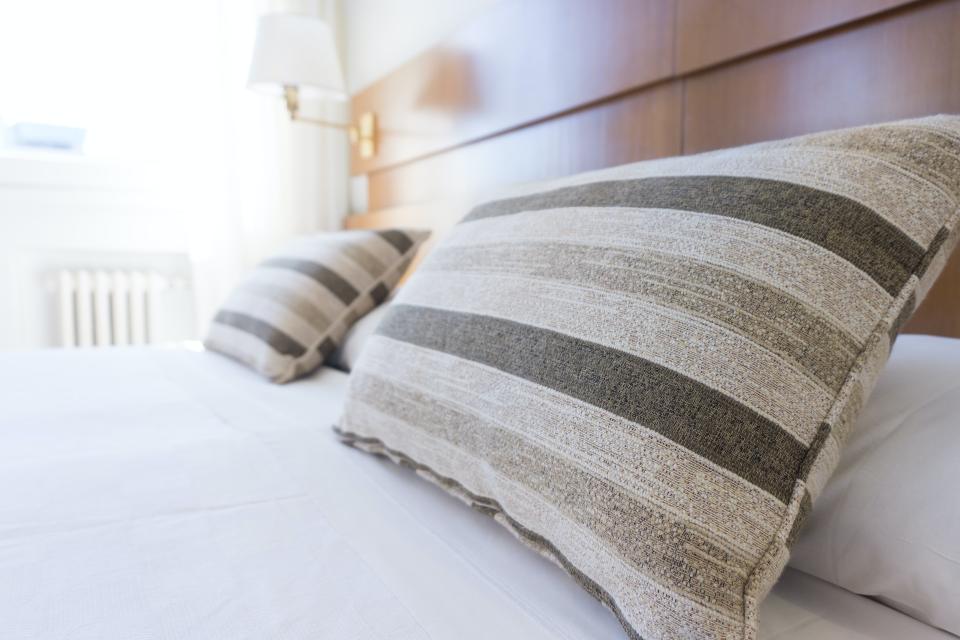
(142, 78)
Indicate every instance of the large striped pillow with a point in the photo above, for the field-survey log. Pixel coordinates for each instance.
(646, 373)
(292, 312)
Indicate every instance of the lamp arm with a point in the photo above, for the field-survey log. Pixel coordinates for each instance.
(292, 97)
(323, 123)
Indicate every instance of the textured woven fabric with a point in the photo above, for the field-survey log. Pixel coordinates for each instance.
(292, 312)
(646, 373)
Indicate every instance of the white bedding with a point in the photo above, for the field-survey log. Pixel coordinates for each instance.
(173, 494)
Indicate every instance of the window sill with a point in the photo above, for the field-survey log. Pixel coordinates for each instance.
(50, 169)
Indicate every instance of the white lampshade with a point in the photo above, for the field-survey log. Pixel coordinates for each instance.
(296, 51)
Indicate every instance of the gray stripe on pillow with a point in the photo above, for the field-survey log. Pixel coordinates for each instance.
(777, 321)
(400, 241)
(379, 293)
(833, 221)
(278, 340)
(297, 305)
(325, 276)
(725, 503)
(656, 397)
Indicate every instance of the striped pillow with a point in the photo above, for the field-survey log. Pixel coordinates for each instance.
(646, 373)
(294, 309)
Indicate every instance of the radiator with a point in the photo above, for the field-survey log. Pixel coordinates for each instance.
(108, 308)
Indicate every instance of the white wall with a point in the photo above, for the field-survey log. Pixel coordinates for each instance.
(71, 212)
(281, 178)
(382, 34)
(199, 174)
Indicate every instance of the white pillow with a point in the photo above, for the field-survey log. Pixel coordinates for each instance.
(346, 355)
(888, 522)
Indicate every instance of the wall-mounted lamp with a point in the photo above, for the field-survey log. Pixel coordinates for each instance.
(296, 55)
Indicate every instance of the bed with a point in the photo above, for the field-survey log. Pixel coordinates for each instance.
(172, 493)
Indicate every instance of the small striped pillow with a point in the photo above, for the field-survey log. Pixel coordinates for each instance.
(292, 312)
(646, 373)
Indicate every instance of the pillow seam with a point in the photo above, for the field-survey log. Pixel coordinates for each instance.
(752, 584)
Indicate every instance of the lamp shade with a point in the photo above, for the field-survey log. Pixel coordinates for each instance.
(296, 51)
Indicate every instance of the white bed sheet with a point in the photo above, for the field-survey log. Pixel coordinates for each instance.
(159, 494)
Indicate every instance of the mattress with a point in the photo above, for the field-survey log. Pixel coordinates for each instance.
(171, 493)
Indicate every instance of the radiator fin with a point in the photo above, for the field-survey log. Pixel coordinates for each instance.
(101, 308)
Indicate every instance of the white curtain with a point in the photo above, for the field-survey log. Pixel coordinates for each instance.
(161, 87)
(280, 179)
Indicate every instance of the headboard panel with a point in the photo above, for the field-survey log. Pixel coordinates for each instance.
(901, 65)
(635, 127)
(535, 89)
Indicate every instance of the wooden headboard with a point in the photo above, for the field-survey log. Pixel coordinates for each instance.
(535, 89)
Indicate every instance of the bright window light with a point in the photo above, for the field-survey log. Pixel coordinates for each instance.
(143, 78)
